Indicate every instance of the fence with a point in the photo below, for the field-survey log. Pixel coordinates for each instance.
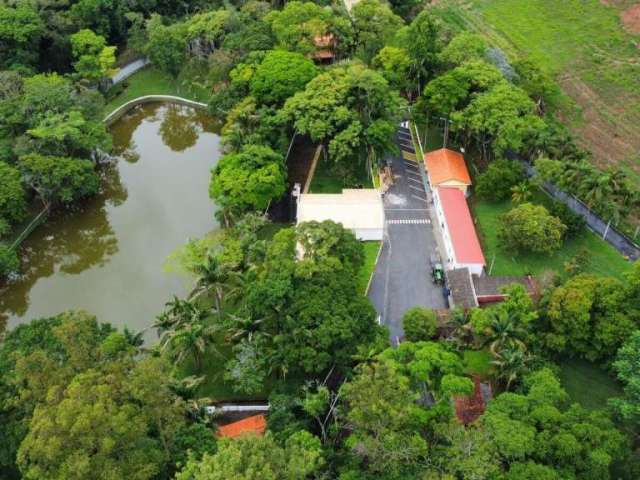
(618, 240)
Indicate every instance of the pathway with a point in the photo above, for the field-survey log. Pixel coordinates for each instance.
(129, 69)
(402, 278)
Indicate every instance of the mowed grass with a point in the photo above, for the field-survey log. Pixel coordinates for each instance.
(370, 256)
(327, 179)
(151, 81)
(587, 384)
(603, 258)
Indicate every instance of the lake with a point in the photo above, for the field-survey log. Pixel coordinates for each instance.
(107, 256)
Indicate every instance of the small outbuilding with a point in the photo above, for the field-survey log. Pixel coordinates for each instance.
(359, 210)
(257, 424)
(446, 168)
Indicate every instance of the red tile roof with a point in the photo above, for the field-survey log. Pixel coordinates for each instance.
(256, 424)
(460, 225)
(446, 165)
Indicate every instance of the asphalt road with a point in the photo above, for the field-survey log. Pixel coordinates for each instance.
(402, 278)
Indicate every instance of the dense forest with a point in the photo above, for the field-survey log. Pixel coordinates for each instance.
(276, 311)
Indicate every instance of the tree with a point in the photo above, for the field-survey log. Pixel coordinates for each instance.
(59, 180)
(385, 421)
(20, 31)
(94, 60)
(251, 457)
(280, 75)
(320, 240)
(249, 179)
(419, 324)
(627, 368)
(12, 195)
(395, 65)
(590, 316)
(496, 182)
(70, 438)
(423, 44)
(298, 24)
(464, 47)
(530, 228)
(349, 108)
(9, 261)
(189, 339)
(374, 24)
(167, 46)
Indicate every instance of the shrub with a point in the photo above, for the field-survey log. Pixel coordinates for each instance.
(530, 228)
(8, 260)
(574, 222)
(420, 324)
(496, 182)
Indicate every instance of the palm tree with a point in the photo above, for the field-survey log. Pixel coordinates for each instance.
(191, 339)
(213, 277)
(177, 313)
(504, 331)
(244, 327)
(512, 364)
(462, 330)
(521, 193)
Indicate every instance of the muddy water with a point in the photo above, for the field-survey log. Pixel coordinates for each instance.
(107, 256)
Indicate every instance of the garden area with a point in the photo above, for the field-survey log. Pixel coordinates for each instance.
(603, 259)
(588, 384)
(329, 179)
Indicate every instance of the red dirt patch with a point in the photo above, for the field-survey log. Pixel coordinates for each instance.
(631, 19)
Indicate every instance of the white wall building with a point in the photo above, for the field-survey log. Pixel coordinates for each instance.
(359, 210)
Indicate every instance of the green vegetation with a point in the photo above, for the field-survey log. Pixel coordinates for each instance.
(582, 44)
(603, 259)
(151, 81)
(371, 250)
(328, 179)
(477, 362)
(588, 384)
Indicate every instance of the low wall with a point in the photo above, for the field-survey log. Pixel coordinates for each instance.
(122, 109)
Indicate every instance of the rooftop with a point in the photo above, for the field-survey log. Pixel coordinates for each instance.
(464, 239)
(461, 288)
(256, 424)
(353, 208)
(446, 165)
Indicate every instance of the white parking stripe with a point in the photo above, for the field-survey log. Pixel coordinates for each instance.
(421, 190)
(409, 221)
(419, 198)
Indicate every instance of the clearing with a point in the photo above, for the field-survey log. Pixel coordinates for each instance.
(588, 384)
(585, 47)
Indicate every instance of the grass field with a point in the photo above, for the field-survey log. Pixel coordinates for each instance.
(584, 46)
(587, 384)
(604, 259)
(327, 179)
(150, 81)
(370, 257)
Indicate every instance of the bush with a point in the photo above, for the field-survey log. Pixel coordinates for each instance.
(496, 182)
(574, 222)
(420, 324)
(530, 228)
(9, 262)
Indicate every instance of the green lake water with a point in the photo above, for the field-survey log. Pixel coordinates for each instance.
(108, 256)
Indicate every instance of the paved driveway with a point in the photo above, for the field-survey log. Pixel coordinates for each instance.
(402, 278)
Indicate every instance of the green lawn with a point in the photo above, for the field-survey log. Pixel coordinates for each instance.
(604, 259)
(477, 362)
(370, 257)
(588, 384)
(150, 81)
(327, 179)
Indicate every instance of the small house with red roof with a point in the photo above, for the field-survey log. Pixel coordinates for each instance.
(447, 168)
(461, 241)
(256, 425)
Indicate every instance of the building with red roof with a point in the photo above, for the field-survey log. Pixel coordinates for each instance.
(256, 424)
(447, 168)
(462, 246)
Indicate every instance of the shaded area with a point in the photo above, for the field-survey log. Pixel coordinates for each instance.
(588, 384)
(106, 256)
